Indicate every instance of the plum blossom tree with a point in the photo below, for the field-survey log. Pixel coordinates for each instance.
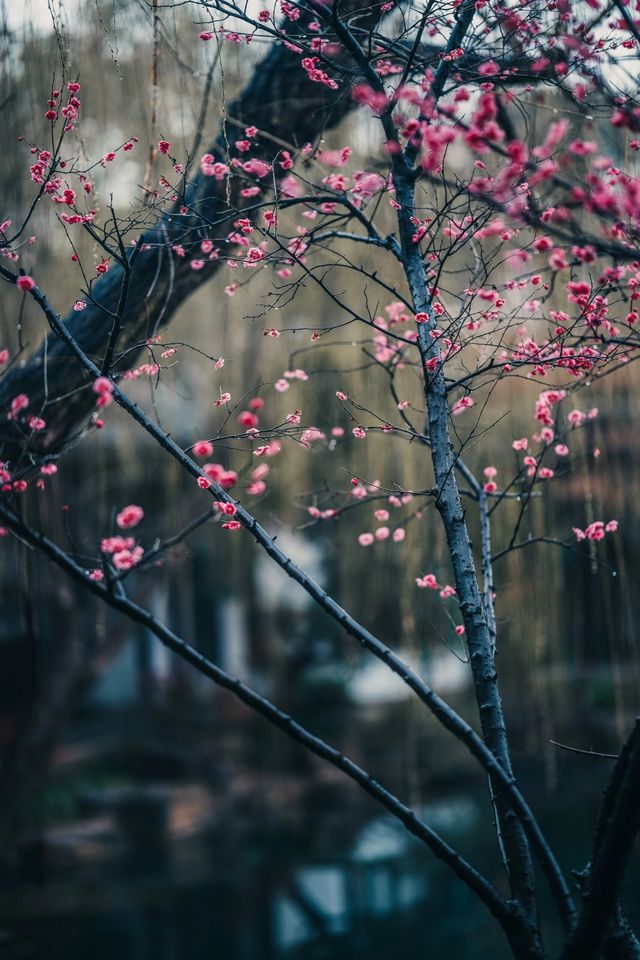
(505, 249)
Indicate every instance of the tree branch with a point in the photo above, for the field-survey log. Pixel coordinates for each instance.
(120, 602)
(439, 708)
(618, 827)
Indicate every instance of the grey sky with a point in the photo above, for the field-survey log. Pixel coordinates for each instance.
(36, 13)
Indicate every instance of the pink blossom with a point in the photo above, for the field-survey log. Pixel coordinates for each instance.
(212, 168)
(225, 507)
(228, 479)
(290, 187)
(113, 544)
(25, 283)
(248, 419)
(255, 254)
(257, 167)
(399, 534)
(317, 75)
(296, 374)
(365, 185)
(575, 417)
(365, 539)
(270, 449)
(595, 531)
(129, 516)
(429, 580)
(214, 471)
(203, 448)
(311, 434)
(334, 158)
(489, 69)
(542, 244)
(582, 148)
(19, 403)
(462, 404)
(126, 559)
(102, 385)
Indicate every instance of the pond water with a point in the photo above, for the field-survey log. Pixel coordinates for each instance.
(160, 855)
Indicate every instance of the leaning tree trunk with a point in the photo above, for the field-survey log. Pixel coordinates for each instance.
(288, 109)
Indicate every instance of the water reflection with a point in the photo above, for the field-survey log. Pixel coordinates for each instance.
(272, 865)
(145, 874)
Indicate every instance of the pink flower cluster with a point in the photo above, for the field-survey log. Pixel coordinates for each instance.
(124, 552)
(430, 582)
(382, 533)
(129, 516)
(220, 475)
(315, 74)
(460, 405)
(104, 388)
(595, 530)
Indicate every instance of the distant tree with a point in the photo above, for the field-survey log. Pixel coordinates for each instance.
(506, 247)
